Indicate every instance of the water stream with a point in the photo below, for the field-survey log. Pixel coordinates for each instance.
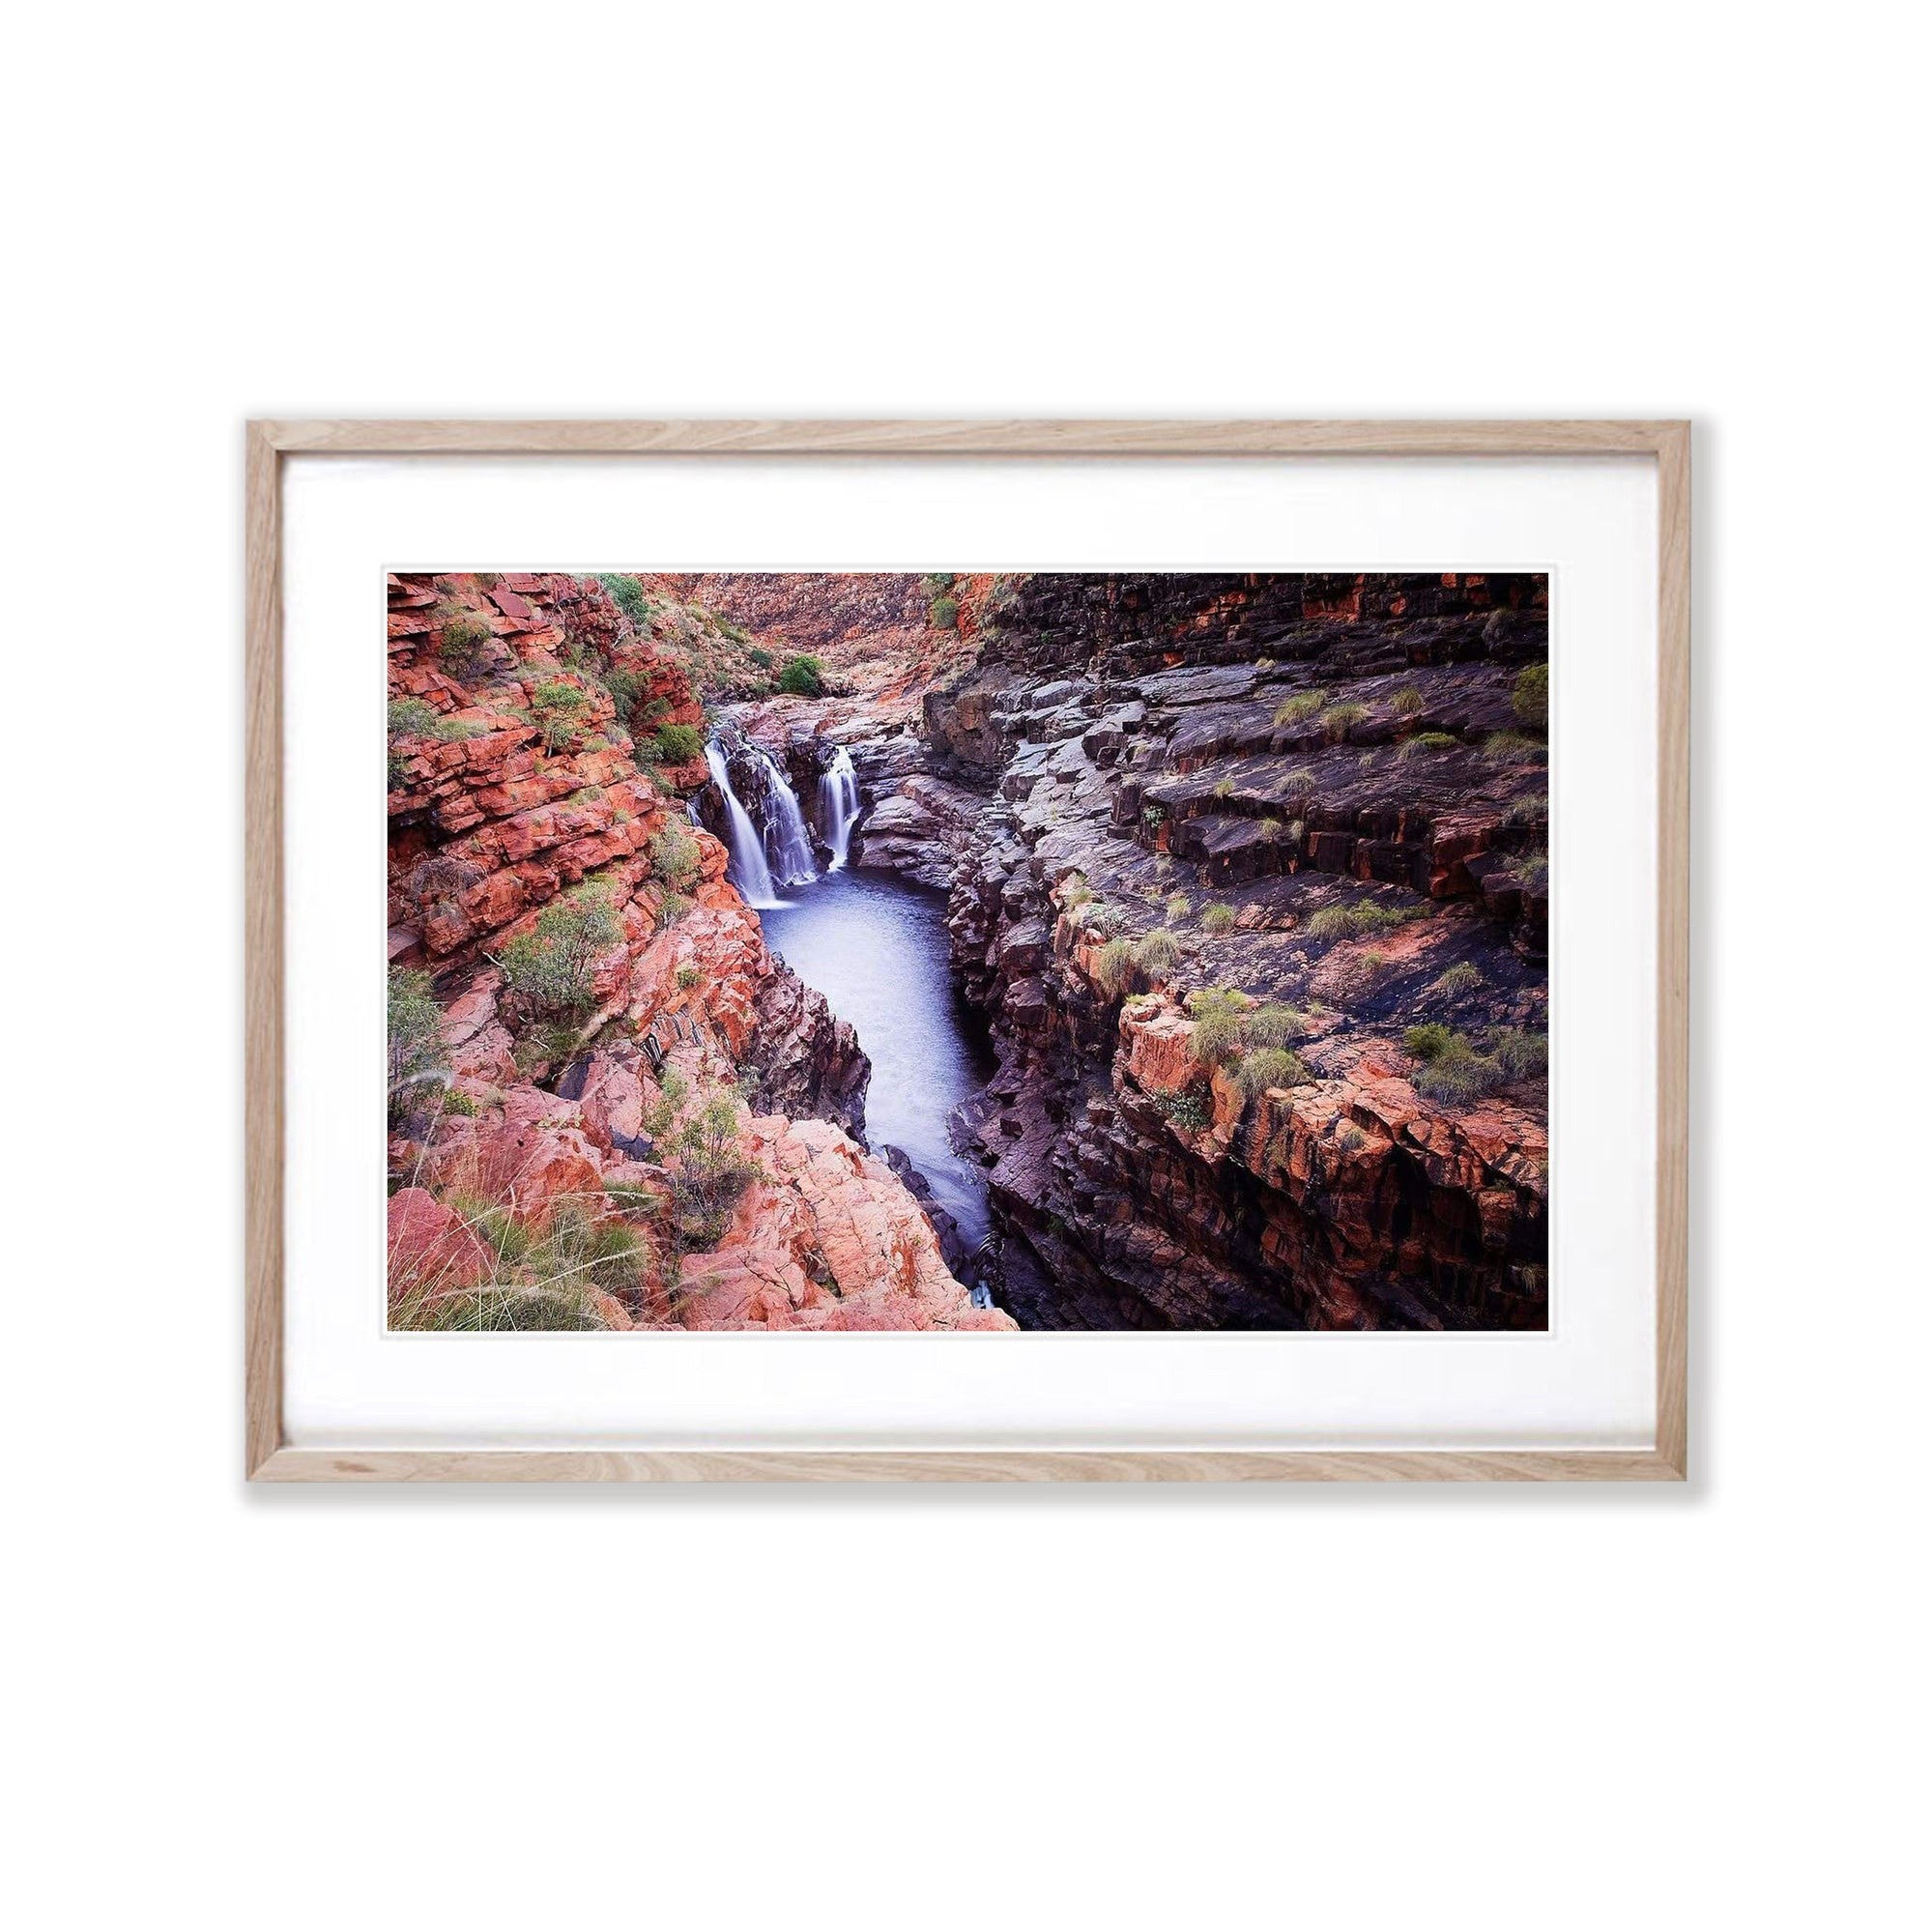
(876, 946)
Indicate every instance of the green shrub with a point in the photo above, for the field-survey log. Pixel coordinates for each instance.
(802, 678)
(417, 1056)
(761, 657)
(1408, 701)
(1153, 817)
(1218, 918)
(675, 854)
(944, 613)
(1425, 741)
(712, 1170)
(1273, 1025)
(1340, 719)
(1529, 696)
(550, 968)
(678, 744)
(689, 975)
(1270, 1067)
(1299, 710)
(938, 583)
(1187, 1110)
(671, 908)
(411, 718)
(627, 594)
(1429, 1042)
(555, 708)
(1463, 977)
(465, 640)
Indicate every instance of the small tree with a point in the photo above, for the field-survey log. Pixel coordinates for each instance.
(550, 968)
(674, 854)
(558, 710)
(944, 613)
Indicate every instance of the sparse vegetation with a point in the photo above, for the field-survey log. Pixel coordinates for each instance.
(802, 676)
(674, 854)
(1223, 787)
(1514, 747)
(465, 640)
(1529, 696)
(1157, 952)
(678, 744)
(1351, 922)
(944, 613)
(1272, 829)
(557, 710)
(1270, 1067)
(1425, 741)
(688, 975)
(411, 717)
(1300, 709)
(1187, 1110)
(1408, 701)
(1177, 907)
(671, 908)
(549, 968)
(937, 583)
(1114, 966)
(1427, 1042)
(1463, 977)
(1218, 918)
(627, 594)
(1153, 817)
(1339, 720)
(417, 1055)
(712, 1170)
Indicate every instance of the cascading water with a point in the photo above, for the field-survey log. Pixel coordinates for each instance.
(747, 870)
(786, 838)
(838, 804)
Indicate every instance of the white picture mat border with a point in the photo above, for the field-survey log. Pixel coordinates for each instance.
(1589, 1383)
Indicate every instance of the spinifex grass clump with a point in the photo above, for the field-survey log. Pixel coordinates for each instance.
(1407, 702)
(1457, 1071)
(1299, 710)
(1270, 1067)
(1352, 922)
(1339, 720)
(1218, 918)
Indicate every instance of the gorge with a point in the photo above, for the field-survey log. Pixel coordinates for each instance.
(1052, 951)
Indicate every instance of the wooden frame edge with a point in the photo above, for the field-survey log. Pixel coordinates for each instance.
(966, 1465)
(269, 1459)
(263, 1114)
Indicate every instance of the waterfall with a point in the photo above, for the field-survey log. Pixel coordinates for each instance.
(747, 870)
(838, 804)
(786, 838)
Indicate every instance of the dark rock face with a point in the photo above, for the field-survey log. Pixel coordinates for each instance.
(1336, 765)
(809, 1064)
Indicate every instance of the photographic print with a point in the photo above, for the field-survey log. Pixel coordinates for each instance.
(967, 951)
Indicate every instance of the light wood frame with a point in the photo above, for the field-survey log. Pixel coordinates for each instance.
(269, 1459)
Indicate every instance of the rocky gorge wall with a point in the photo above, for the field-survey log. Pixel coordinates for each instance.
(610, 1107)
(1249, 874)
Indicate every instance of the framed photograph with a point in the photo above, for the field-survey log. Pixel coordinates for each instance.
(967, 951)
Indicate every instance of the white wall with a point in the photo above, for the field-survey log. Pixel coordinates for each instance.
(1376, 1709)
